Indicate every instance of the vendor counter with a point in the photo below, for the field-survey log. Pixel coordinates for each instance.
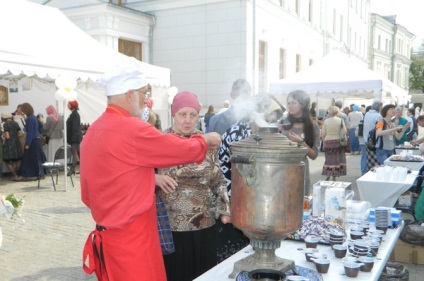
(293, 250)
(382, 193)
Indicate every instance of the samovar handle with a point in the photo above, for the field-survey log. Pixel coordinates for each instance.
(246, 167)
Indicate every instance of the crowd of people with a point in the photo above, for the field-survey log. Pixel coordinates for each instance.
(128, 165)
(30, 140)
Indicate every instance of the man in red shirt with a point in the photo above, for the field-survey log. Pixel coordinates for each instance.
(118, 155)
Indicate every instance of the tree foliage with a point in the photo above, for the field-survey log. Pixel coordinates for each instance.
(416, 70)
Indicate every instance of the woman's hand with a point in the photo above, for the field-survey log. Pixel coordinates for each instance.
(294, 137)
(225, 219)
(166, 183)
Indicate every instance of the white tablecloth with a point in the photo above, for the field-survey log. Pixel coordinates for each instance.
(413, 151)
(290, 250)
(414, 166)
(382, 193)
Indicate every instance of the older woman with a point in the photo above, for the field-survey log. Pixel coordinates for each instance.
(33, 157)
(299, 127)
(189, 192)
(399, 120)
(386, 132)
(54, 131)
(335, 158)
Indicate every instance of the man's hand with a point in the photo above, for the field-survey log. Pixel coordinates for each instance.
(212, 139)
(166, 183)
(225, 219)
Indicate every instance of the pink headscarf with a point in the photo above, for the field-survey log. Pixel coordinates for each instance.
(51, 111)
(149, 103)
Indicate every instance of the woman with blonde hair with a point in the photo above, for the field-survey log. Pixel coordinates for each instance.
(335, 158)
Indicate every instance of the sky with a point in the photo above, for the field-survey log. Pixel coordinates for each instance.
(409, 14)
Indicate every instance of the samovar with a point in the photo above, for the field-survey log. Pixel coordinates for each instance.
(267, 192)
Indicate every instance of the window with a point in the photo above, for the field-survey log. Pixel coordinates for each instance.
(379, 42)
(131, 49)
(262, 79)
(400, 46)
(298, 62)
(311, 61)
(282, 64)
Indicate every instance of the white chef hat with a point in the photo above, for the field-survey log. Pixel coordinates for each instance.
(122, 78)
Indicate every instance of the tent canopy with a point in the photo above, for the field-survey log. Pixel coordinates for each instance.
(40, 40)
(339, 76)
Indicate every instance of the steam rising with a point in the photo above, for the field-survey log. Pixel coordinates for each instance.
(256, 109)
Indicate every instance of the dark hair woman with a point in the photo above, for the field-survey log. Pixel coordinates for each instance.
(33, 156)
(74, 134)
(208, 115)
(388, 131)
(299, 127)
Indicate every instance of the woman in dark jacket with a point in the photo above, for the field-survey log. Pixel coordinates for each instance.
(74, 133)
(33, 156)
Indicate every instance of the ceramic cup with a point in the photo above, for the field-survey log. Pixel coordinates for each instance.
(356, 234)
(311, 241)
(322, 265)
(368, 263)
(352, 268)
(340, 251)
(309, 253)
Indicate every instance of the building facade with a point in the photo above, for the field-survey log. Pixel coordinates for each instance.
(390, 49)
(209, 44)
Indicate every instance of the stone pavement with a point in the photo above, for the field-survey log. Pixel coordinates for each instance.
(46, 242)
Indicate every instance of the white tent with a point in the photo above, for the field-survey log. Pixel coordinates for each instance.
(339, 76)
(41, 42)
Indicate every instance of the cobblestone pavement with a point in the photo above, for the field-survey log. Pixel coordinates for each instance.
(46, 242)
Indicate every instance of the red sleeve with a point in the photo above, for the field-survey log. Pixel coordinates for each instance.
(164, 150)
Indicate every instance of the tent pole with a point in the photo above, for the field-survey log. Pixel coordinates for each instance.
(65, 144)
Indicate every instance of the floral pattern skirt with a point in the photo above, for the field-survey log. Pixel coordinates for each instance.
(335, 159)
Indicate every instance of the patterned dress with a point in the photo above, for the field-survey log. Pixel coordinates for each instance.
(199, 200)
(12, 147)
(230, 240)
